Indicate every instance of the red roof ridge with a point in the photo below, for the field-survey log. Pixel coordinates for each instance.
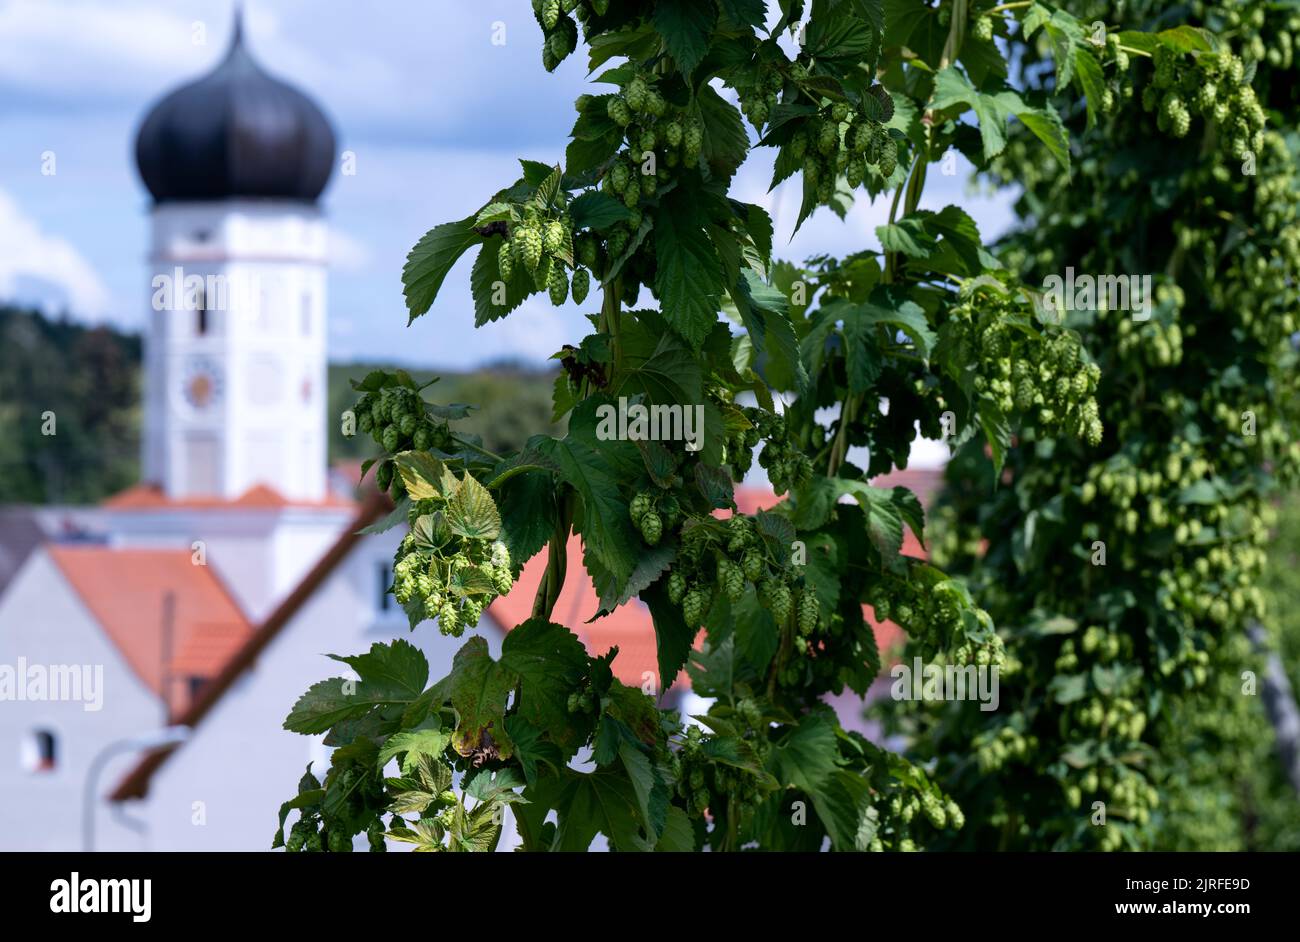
(149, 496)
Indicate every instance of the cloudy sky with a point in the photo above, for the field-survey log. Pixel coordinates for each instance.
(434, 111)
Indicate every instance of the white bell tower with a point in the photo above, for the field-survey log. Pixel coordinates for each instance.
(236, 360)
(235, 356)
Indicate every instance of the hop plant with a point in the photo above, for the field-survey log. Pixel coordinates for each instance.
(809, 613)
(652, 527)
(694, 606)
(581, 284)
(558, 285)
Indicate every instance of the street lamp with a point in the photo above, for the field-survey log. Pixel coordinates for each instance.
(155, 739)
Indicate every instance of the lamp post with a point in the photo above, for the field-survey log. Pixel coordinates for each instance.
(156, 739)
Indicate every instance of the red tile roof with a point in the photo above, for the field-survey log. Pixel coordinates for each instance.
(258, 497)
(124, 590)
(136, 783)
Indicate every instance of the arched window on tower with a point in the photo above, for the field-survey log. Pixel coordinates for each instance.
(40, 751)
(201, 314)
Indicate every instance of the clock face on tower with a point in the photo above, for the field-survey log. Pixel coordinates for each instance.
(201, 384)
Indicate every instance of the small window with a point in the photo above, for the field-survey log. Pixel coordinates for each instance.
(197, 685)
(201, 315)
(385, 582)
(40, 751)
(306, 314)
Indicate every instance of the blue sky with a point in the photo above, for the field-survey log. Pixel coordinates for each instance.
(434, 111)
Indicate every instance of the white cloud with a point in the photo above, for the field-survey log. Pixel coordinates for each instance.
(79, 48)
(45, 269)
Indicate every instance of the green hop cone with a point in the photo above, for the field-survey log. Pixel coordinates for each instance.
(676, 587)
(694, 607)
(506, 260)
(619, 112)
(673, 133)
(731, 579)
(423, 438)
(983, 30)
(652, 528)
(530, 246)
(828, 138)
(778, 599)
(619, 175)
(558, 285)
(809, 613)
(642, 503)
(408, 424)
(391, 438)
(588, 252)
(692, 140)
(554, 237)
(550, 13)
(636, 93)
(861, 138)
(581, 284)
(888, 157)
(448, 619)
(751, 565)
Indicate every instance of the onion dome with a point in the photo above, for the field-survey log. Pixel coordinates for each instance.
(236, 133)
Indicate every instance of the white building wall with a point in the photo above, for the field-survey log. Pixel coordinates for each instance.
(43, 620)
(262, 354)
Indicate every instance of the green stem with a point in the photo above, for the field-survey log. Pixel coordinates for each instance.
(557, 563)
(1003, 7)
(479, 448)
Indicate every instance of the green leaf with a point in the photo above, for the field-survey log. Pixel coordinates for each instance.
(595, 210)
(601, 802)
(744, 12)
(1088, 76)
(953, 92)
(765, 312)
(550, 663)
(430, 260)
(429, 739)
(890, 306)
(389, 674)
(685, 26)
(678, 835)
(420, 473)
(533, 752)
(605, 527)
(997, 430)
(494, 296)
(672, 635)
(910, 509)
(478, 688)
(471, 512)
(398, 668)
(884, 521)
(726, 142)
(527, 506)
(688, 280)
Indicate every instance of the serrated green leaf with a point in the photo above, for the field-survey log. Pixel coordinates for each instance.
(471, 512)
(420, 473)
(685, 26)
(432, 257)
(688, 279)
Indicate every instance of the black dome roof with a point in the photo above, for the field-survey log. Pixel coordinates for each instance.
(236, 132)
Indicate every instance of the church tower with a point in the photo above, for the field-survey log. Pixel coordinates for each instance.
(235, 359)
